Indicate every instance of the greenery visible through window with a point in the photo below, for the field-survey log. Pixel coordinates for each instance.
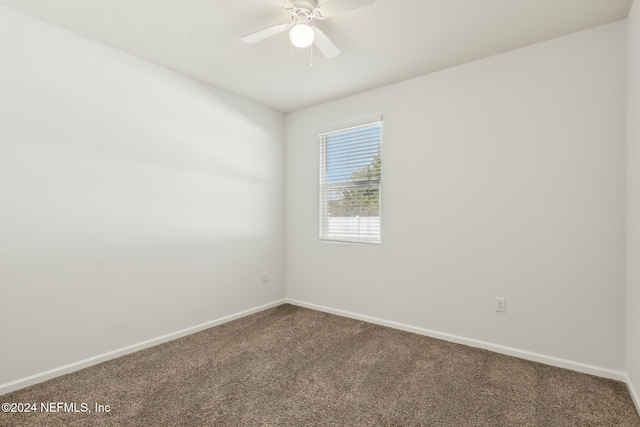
(350, 172)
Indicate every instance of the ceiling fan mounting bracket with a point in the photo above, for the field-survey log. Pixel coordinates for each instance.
(305, 4)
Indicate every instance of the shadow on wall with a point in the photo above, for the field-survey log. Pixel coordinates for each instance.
(135, 201)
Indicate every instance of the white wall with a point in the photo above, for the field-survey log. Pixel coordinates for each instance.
(502, 177)
(633, 199)
(134, 202)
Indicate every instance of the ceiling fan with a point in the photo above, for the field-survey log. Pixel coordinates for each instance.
(302, 34)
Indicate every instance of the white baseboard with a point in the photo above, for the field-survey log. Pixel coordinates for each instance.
(76, 366)
(510, 351)
(634, 392)
(523, 354)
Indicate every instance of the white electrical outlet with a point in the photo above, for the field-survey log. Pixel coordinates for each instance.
(265, 276)
(501, 304)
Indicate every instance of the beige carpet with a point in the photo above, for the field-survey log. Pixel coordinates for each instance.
(291, 366)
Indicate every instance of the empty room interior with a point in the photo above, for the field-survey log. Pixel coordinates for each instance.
(327, 213)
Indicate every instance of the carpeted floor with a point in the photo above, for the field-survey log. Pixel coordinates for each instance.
(290, 366)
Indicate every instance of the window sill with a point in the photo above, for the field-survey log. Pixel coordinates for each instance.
(350, 242)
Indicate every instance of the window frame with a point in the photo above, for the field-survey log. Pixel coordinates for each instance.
(324, 186)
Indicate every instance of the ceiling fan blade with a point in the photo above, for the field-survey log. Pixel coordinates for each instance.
(326, 46)
(266, 33)
(334, 7)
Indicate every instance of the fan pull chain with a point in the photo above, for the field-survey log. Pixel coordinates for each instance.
(311, 63)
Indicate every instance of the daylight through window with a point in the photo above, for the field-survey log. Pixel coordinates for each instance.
(350, 171)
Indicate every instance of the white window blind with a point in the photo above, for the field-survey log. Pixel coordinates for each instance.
(350, 171)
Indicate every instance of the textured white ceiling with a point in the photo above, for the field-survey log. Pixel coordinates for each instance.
(389, 41)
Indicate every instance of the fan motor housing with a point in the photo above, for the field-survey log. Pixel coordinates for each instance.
(301, 16)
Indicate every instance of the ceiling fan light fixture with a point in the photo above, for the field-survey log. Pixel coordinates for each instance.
(303, 12)
(301, 35)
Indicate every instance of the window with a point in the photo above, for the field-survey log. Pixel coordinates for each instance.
(350, 170)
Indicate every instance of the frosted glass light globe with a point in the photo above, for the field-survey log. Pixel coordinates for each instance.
(301, 35)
